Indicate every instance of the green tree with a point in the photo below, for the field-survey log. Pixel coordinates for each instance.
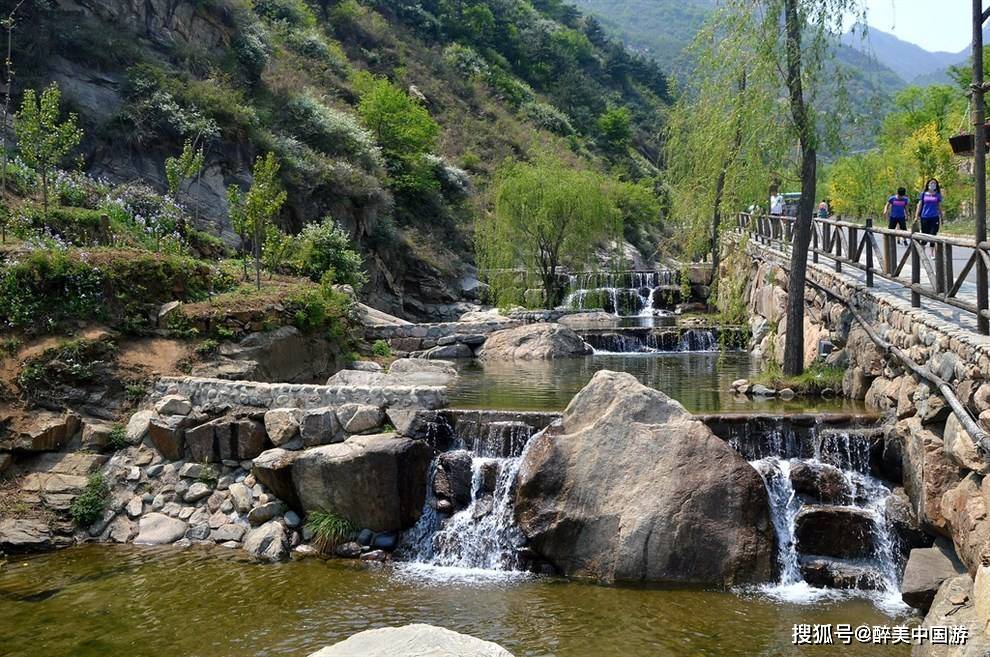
(546, 214)
(276, 248)
(615, 127)
(182, 168)
(326, 248)
(239, 220)
(403, 128)
(860, 184)
(250, 212)
(43, 140)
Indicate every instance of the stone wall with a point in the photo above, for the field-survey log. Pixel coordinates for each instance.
(419, 337)
(217, 393)
(944, 472)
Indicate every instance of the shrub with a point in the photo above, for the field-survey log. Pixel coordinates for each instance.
(117, 439)
(329, 529)
(466, 61)
(292, 12)
(326, 248)
(68, 225)
(71, 363)
(548, 117)
(21, 178)
(252, 51)
(89, 505)
(380, 348)
(152, 111)
(316, 308)
(331, 131)
(76, 189)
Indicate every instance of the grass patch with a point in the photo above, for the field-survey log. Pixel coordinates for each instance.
(816, 377)
(329, 529)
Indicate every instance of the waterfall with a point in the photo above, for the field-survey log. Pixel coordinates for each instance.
(651, 340)
(624, 294)
(698, 340)
(776, 454)
(483, 534)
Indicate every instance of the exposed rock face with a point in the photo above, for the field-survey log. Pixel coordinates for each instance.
(954, 606)
(835, 531)
(18, 536)
(411, 640)
(928, 473)
(534, 342)
(925, 571)
(42, 431)
(273, 469)
(284, 354)
(964, 509)
(900, 516)
(619, 493)
(375, 481)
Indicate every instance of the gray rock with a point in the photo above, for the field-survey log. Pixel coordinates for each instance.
(242, 498)
(137, 426)
(365, 366)
(534, 342)
(956, 605)
(135, 507)
(192, 470)
(360, 418)
(159, 502)
(159, 529)
(349, 550)
(282, 424)
(835, 531)
(643, 512)
(761, 390)
(186, 512)
(292, 519)
(226, 506)
(267, 542)
(925, 571)
(199, 532)
(228, 532)
(457, 350)
(412, 640)
(262, 514)
(452, 480)
(822, 482)
(121, 530)
(374, 481)
(273, 468)
(319, 426)
(838, 574)
(21, 536)
(154, 471)
(196, 492)
(173, 405)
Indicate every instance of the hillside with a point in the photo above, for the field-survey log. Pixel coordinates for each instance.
(498, 79)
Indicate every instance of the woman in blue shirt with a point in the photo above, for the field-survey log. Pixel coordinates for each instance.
(929, 210)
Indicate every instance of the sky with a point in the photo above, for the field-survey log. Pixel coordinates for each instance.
(931, 24)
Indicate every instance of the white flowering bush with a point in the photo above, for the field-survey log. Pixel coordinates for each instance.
(466, 61)
(548, 117)
(332, 131)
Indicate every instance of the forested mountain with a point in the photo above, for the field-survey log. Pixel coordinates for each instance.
(912, 63)
(388, 115)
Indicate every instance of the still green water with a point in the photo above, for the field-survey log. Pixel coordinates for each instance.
(700, 381)
(123, 601)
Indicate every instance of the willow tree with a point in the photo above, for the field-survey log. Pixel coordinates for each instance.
(723, 141)
(545, 214)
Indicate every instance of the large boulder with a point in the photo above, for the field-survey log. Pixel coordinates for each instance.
(40, 431)
(273, 470)
(377, 481)
(925, 571)
(632, 487)
(964, 508)
(954, 606)
(835, 531)
(267, 542)
(283, 355)
(159, 529)
(821, 482)
(409, 640)
(534, 342)
(18, 536)
(402, 372)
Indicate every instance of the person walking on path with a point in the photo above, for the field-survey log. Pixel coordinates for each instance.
(929, 211)
(823, 211)
(896, 211)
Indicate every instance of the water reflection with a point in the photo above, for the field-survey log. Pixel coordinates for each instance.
(700, 381)
(131, 602)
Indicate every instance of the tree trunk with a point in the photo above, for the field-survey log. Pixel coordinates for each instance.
(720, 187)
(793, 363)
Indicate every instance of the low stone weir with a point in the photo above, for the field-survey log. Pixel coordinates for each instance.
(642, 339)
(211, 393)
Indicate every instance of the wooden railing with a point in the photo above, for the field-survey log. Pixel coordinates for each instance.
(874, 250)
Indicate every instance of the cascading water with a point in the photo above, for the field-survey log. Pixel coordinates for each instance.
(483, 534)
(652, 341)
(624, 294)
(776, 455)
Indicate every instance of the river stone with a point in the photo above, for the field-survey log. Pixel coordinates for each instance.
(366, 366)
(173, 405)
(421, 372)
(230, 532)
(242, 497)
(412, 640)
(265, 512)
(825, 483)
(196, 492)
(348, 550)
(137, 426)
(135, 507)
(539, 341)
(835, 531)
(17, 536)
(820, 573)
(617, 492)
(267, 542)
(376, 481)
(457, 350)
(159, 529)
(925, 571)
(282, 424)
(360, 418)
(199, 532)
(273, 469)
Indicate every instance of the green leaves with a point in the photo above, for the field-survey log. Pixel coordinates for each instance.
(188, 164)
